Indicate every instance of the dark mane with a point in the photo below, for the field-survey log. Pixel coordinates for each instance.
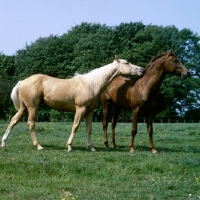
(153, 60)
(157, 57)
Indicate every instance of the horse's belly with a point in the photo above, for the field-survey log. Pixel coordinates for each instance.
(61, 105)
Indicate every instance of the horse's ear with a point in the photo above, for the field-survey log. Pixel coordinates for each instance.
(170, 52)
(116, 58)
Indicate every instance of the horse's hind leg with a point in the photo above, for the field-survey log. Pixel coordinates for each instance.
(149, 118)
(15, 119)
(31, 125)
(88, 121)
(134, 128)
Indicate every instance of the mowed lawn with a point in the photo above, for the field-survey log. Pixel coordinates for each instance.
(172, 173)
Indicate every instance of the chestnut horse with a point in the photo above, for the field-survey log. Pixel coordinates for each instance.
(79, 94)
(139, 95)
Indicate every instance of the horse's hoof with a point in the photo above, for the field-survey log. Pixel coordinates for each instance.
(107, 148)
(153, 151)
(131, 150)
(2, 146)
(40, 148)
(92, 149)
(69, 150)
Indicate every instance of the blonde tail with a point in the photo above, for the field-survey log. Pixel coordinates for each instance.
(15, 97)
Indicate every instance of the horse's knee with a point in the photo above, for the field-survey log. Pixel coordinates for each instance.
(31, 125)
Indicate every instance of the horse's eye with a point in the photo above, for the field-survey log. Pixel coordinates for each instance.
(127, 63)
(176, 61)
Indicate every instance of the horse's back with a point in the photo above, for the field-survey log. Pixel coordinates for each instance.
(36, 78)
(39, 81)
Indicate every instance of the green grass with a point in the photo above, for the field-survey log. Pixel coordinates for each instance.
(172, 173)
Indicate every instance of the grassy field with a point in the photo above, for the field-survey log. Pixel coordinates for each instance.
(172, 173)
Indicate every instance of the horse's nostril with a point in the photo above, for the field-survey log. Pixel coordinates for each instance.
(189, 74)
(185, 74)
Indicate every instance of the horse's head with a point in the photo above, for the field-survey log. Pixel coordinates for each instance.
(126, 68)
(174, 66)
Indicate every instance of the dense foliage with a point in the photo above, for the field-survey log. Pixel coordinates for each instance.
(7, 79)
(88, 46)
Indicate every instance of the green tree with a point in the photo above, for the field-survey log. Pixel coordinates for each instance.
(45, 55)
(183, 95)
(7, 80)
(91, 47)
(88, 46)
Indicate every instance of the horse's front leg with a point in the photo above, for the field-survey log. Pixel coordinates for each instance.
(88, 121)
(77, 120)
(149, 119)
(114, 122)
(31, 125)
(134, 129)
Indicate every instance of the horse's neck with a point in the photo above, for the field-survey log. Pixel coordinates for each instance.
(153, 77)
(100, 78)
(114, 72)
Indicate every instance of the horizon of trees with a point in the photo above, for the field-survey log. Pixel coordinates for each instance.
(88, 46)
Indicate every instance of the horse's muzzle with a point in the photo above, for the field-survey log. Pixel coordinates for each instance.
(140, 71)
(186, 74)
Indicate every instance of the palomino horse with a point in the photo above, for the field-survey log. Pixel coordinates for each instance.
(79, 94)
(139, 94)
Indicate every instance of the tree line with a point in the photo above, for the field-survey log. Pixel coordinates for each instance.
(92, 45)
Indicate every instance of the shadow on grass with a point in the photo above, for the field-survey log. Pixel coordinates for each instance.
(141, 148)
(84, 148)
(119, 148)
